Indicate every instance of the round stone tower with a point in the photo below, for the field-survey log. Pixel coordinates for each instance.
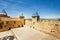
(35, 17)
(22, 19)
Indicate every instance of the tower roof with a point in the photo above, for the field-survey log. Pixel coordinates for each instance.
(35, 14)
(3, 12)
(22, 14)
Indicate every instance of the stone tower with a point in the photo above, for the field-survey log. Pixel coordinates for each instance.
(22, 19)
(35, 17)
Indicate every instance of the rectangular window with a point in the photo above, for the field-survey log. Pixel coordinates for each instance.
(2, 22)
(1, 26)
(7, 22)
(14, 22)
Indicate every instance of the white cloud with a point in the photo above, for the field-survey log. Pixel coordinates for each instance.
(17, 1)
(20, 2)
(11, 0)
(35, 8)
(4, 3)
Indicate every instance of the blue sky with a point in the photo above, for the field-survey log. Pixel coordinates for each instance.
(46, 8)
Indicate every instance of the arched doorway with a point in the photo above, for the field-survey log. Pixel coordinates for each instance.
(9, 28)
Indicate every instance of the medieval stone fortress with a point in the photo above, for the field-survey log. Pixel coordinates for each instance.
(51, 27)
